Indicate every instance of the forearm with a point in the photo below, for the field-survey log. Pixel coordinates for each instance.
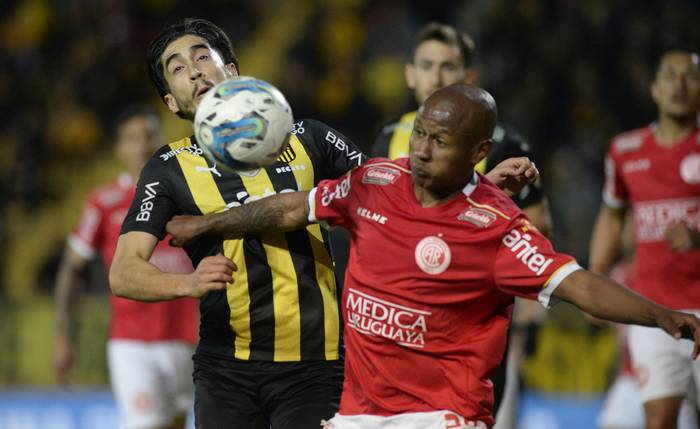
(606, 241)
(601, 297)
(281, 212)
(64, 292)
(135, 278)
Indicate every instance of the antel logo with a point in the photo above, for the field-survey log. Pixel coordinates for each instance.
(433, 255)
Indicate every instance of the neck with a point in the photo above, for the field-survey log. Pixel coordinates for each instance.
(430, 197)
(672, 130)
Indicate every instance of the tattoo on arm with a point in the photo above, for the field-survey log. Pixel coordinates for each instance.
(282, 212)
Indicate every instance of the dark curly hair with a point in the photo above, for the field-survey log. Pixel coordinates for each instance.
(214, 35)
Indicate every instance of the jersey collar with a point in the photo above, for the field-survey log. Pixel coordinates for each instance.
(471, 186)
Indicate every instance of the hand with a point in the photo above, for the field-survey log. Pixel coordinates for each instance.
(183, 229)
(681, 325)
(513, 174)
(680, 238)
(212, 273)
(63, 358)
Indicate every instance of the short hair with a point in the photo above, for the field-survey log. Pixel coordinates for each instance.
(450, 36)
(136, 111)
(670, 49)
(207, 30)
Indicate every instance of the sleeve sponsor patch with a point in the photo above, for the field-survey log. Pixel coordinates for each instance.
(380, 175)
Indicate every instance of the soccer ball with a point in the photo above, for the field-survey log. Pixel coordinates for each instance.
(243, 123)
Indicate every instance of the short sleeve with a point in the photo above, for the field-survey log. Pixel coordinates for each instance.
(330, 200)
(153, 205)
(526, 264)
(336, 153)
(85, 239)
(615, 192)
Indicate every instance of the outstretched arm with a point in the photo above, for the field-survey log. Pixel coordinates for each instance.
(605, 299)
(281, 212)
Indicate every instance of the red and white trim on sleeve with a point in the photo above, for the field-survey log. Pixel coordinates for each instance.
(545, 296)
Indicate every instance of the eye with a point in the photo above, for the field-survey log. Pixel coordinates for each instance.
(177, 69)
(419, 131)
(203, 57)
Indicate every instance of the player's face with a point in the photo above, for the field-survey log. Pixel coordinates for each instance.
(137, 138)
(191, 67)
(434, 66)
(676, 88)
(442, 151)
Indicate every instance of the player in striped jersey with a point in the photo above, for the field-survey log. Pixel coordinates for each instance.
(270, 332)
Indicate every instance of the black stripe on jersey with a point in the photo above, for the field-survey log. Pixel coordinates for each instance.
(261, 310)
(310, 299)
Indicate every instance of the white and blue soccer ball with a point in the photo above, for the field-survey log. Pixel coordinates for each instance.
(243, 123)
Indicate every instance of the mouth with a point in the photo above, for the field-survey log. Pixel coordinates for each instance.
(201, 91)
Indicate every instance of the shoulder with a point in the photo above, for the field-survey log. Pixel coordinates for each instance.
(508, 137)
(172, 150)
(110, 194)
(383, 171)
(488, 198)
(629, 141)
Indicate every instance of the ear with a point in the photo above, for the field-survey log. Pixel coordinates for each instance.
(171, 102)
(410, 75)
(231, 68)
(483, 148)
(471, 75)
(654, 90)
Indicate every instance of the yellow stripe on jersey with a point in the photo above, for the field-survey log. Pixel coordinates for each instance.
(324, 265)
(285, 298)
(399, 144)
(488, 207)
(209, 200)
(481, 166)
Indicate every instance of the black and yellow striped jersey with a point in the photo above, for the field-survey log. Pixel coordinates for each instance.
(283, 304)
(393, 141)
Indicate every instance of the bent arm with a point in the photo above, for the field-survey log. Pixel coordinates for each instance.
(132, 276)
(607, 239)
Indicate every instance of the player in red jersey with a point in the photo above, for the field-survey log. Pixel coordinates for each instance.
(150, 344)
(437, 255)
(655, 171)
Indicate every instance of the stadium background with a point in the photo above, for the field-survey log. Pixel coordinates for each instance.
(567, 74)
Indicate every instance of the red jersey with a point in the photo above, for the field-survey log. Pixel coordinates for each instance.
(98, 231)
(428, 291)
(663, 186)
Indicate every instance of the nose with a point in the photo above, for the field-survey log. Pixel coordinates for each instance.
(195, 73)
(436, 77)
(420, 147)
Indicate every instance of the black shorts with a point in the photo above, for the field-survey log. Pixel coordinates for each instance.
(237, 394)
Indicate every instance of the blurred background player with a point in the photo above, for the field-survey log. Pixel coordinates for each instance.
(442, 56)
(655, 171)
(623, 408)
(150, 344)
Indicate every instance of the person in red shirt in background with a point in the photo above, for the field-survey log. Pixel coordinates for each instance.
(437, 255)
(655, 171)
(150, 344)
